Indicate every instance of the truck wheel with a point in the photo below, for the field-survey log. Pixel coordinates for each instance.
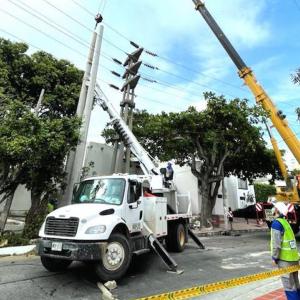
(176, 238)
(55, 264)
(115, 259)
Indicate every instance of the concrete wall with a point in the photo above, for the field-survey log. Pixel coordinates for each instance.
(21, 201)
(101, 156)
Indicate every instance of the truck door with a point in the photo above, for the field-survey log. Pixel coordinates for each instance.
(134, 206)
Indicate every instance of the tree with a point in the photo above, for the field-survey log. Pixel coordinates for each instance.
(296, 80)
(33, 147)
(222, 140)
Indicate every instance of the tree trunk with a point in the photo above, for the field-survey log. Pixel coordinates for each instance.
(4, 215)
(35, 215)
(206, 209)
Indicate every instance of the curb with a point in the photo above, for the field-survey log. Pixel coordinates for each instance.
(231, 233)
(17, 250)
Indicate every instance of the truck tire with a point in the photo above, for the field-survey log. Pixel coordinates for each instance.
(55, 264)
(116, 259)
(176, 238)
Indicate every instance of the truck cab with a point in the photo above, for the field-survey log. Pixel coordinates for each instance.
(102, 224)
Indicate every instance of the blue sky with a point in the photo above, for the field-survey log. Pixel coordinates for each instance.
(264, 32)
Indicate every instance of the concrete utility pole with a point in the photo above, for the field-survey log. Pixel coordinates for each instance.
(127, 105)
(84, 108)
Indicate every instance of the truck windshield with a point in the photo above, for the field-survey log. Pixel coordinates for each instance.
(104, 190)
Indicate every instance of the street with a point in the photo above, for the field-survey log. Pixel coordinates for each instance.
(224, 257)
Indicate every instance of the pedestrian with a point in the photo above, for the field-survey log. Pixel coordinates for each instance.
(284, 250)
(230, 217)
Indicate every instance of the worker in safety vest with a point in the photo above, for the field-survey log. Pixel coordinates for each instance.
(284, 250)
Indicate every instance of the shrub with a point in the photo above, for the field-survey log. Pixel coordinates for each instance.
(263, 191)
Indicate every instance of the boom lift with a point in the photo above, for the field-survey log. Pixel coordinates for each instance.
(111, 219)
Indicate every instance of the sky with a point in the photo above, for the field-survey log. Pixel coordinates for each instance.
(189, 58)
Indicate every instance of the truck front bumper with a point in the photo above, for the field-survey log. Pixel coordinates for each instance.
(72, 250)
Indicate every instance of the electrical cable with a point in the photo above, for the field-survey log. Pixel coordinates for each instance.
(22, 40)
(42, 32)
(143, 97)
(55, 25)
(67, 15)
(164, 58)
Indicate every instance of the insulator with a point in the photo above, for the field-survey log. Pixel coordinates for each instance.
(115, 73)
(134, 44)
(114, 87)
(151, 67)
(150, 80)
(117, 61)
(151, 53)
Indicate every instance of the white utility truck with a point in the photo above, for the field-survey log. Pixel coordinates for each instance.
(111, 218)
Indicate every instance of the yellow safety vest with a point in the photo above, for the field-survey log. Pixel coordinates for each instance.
(288, 251)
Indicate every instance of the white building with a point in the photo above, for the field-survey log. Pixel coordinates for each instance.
(99, 156)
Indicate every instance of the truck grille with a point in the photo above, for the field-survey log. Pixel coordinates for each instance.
(62, 227)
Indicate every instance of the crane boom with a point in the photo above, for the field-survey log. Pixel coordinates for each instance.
(261, 97)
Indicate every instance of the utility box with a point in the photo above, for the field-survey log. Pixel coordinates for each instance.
(155, 211)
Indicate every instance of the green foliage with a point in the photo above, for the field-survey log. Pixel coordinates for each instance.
(263, 191)
(296, 80)
(222, 140)
(33, 145)
(14, 239)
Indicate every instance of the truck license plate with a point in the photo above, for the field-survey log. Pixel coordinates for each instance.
(269, 215)
(56, 246)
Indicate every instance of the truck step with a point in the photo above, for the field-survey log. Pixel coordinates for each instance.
(142, 251)
(162, 253)
(195, 239)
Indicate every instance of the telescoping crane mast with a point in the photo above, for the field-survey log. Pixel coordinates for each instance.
(261, 97)
(289, 193)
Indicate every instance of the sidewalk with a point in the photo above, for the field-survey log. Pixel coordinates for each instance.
(239, 226)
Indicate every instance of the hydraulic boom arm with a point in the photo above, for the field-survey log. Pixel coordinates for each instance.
(247, 75)
(125, 133)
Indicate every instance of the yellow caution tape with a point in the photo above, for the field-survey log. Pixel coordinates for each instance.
(221, 285)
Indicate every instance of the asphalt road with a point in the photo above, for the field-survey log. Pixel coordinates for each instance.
(224, 257)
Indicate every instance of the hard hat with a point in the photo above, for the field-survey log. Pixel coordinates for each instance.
(282, 208)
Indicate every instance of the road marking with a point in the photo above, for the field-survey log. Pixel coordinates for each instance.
(221, 285)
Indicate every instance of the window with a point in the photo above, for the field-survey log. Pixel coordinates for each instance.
(104, 190)
(242, 184)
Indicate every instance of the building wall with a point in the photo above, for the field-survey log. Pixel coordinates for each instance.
(21, 201)
(101, 156)
(185, 182)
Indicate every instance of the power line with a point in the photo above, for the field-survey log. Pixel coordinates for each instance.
(46, 34)
(54, 25)
(107, 41)
(175, 63)
(158, 90)
(164, 58)
(20, 39)
(67, 15)
(143, 97)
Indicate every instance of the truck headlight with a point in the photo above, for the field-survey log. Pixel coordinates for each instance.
(96, 229)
